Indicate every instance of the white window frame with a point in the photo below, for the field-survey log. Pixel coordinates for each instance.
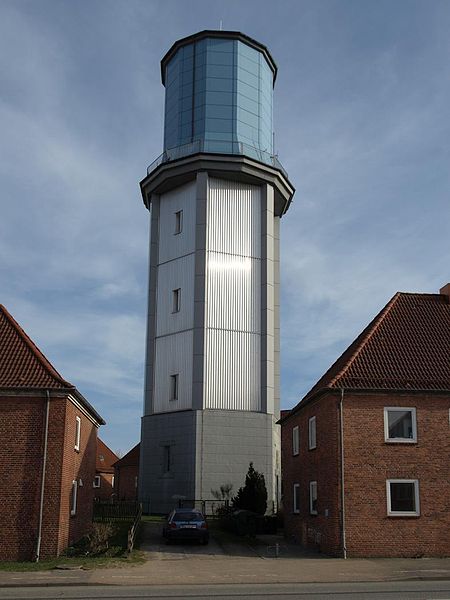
(389, 440)
(178, 222)
(312, 491)
(312, 433)
(176, 300)
(96, 483)
(403, 513)
(174, 387)
(112, 481)
(295, 505)
(295, 441)
(73, 510)
(77, 433)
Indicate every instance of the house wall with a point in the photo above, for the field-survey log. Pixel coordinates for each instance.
(79, 466)
(369, 461)
(126, 482)
(22, 421)
(21, 442)
(319, 531)
(106, 489)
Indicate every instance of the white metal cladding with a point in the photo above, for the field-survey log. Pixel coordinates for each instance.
(232, 370)
(233, 293)
(176, 274)
(173, 355)
(234, 218)
(171, 244)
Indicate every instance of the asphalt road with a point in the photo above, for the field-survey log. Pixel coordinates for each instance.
(398, 590)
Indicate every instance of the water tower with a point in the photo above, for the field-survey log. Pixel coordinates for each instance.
(215, 196)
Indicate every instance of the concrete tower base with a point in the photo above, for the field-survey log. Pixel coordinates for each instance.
(192, 452)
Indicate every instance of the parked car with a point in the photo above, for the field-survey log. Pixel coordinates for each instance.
(186, 524)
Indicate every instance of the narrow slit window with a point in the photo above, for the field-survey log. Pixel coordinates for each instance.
(178, 222)
(295, 441)
(176, 300)
(313, 497)
(167, 466)
(174, 387)
(97, 481)
(312, 433)
(73, 498)
(77, 433)
(296, 498)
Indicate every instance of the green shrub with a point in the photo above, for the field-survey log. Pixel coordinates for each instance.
(99, 538)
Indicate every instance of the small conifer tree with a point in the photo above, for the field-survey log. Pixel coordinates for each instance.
(253, 496)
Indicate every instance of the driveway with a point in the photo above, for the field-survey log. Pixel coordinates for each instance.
(220, 546)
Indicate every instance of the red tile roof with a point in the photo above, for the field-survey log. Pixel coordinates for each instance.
(22, 364)
(405, 347)
(131, 458)
(105, 458)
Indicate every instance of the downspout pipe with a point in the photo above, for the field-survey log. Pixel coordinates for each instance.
(341, 443)
(44, 467)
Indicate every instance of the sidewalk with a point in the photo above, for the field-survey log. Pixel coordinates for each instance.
(220, 563)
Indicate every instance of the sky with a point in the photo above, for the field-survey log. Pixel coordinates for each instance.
(361, 118)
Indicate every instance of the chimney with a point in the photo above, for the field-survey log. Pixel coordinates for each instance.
(445, 291)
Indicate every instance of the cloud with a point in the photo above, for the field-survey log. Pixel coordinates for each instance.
(362, 125)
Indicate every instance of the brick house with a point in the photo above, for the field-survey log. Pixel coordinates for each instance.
(126, 475)
(104, 472)
(48, 440)
(366, 453)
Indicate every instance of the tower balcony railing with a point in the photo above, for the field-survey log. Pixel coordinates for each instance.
(217, 147)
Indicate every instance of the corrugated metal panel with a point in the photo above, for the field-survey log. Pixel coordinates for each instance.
(176, 274)
(171, 244)
(233, 297)
(232, 370)
(173, 355)
(233, 292)
(234, 218)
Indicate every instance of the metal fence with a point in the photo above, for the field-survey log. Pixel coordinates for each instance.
(123, 510)
(217, 147)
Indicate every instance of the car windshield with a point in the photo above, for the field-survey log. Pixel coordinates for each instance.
(187, 516)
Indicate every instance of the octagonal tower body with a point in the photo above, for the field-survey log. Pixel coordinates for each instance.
(215, 196)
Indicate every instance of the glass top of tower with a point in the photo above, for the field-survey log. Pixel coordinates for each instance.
(219, 91)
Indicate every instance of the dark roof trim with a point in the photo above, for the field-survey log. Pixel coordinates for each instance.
(214, 33)
(54, 393)
(88, 407)
(357, 391)
(177, 172)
